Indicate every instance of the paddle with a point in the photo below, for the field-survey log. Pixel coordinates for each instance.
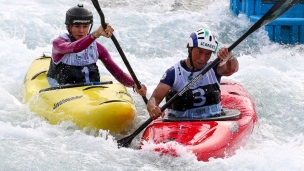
(124, 58)
(277, 10)
(75, 85)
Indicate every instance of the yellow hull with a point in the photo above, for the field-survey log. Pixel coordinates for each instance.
(106, 106)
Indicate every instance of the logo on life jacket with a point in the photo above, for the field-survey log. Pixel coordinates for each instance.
(78, 57)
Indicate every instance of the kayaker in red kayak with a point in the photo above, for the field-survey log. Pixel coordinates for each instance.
(202, 99)
(74, 54)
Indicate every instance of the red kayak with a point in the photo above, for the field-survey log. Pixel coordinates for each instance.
(216, 137)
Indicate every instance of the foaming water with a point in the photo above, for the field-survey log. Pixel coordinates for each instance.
(153, 36)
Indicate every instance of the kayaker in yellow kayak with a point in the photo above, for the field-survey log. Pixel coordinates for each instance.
(74, 54)
(202, 99)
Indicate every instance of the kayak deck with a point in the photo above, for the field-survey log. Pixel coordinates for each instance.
(105, 106)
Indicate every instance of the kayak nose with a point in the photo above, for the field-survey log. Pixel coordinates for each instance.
(170, 150)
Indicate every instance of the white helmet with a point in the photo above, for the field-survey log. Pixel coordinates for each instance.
(203, 38)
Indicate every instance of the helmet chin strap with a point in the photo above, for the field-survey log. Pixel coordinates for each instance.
(90, 28)
(191, 62)
(70, 33)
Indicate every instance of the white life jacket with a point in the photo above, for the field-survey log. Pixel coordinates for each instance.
(201, 100)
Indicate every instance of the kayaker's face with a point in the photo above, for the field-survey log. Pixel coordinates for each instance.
(200, 57)
(79, 31)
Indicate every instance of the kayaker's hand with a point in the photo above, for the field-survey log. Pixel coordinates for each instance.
(155, 112)
(228, 64)
(104, 32)
(142, 91)
(224, 55)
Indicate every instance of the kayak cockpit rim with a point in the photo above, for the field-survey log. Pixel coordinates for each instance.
(228, 114)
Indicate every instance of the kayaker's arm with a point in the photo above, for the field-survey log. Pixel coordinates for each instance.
(228, 65)
(113, 68)
(158, 95)
(62, 46)
(117, 72)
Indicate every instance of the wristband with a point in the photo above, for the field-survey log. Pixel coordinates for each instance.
(231, 58)
(133, 86)
(94, 35)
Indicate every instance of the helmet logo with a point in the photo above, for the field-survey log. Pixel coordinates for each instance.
(203, 38)
(206, 33)
(81, 21)
(208, 45)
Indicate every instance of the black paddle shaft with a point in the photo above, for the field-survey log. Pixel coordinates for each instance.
(278, 9)
(123, 56)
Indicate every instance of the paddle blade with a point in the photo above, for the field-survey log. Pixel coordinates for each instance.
(125, 142)
(278, 9)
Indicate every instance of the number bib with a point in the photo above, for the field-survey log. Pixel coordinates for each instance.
(200, 100)
(68, 74)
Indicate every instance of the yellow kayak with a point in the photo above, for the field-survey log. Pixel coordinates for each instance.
(101, 105)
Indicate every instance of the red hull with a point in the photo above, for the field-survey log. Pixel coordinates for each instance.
(206, 139)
